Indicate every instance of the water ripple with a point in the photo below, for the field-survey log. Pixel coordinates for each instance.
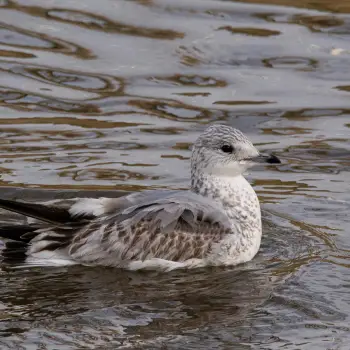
(106, 97)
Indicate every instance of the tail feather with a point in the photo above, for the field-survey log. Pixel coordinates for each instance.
(20, 233)
(14, 252)
(49, 214)
(53, 229)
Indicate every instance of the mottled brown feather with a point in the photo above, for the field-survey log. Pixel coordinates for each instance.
(138, 243)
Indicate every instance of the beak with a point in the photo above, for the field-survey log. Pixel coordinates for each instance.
(270, 159)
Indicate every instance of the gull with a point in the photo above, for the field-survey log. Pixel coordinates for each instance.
(216, 222)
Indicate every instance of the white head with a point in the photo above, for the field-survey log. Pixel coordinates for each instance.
(224, 151)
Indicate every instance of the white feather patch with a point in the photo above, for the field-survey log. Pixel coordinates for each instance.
(48, 258)
(88, 206)
(165, 265)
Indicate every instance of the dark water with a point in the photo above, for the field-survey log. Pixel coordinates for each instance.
(108, 95)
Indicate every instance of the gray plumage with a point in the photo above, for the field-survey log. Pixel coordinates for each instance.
(216, 222)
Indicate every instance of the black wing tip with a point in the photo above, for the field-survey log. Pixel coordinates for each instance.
(14, 252)
(18, 233)
(272, 159)
(41, 212)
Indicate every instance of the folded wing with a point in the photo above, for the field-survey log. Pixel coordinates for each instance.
(167, 225)
(170, 225)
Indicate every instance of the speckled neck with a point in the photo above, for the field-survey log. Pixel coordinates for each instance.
(237, 197)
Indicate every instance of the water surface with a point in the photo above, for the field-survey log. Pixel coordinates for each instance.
(103, 97)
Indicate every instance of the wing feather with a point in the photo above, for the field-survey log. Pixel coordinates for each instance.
(170, 225)
(175, 227)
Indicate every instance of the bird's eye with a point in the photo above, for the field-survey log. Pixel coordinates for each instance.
(227, 148)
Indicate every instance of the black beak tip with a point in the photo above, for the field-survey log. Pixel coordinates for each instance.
(273, 160)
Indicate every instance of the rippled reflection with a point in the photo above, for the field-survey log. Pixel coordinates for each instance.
(106, 97)
(18, 38)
